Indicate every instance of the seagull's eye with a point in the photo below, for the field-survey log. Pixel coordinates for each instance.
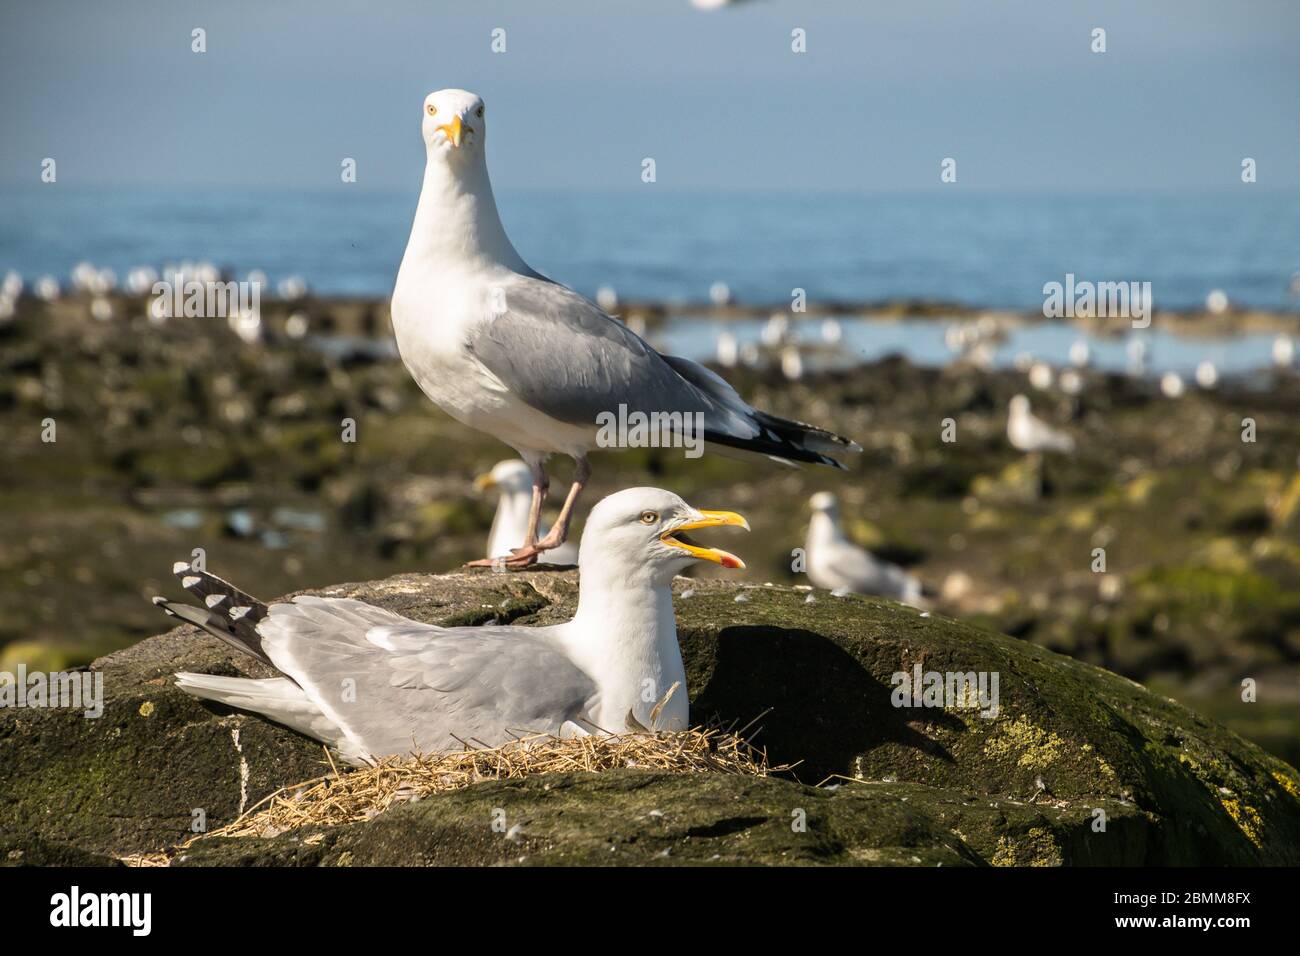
(480, 112)
(649, 517)
(432, 109)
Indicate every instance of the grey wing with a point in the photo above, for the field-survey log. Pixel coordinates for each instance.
(395, 686)
(857, 568)
(863, 572)
(558, 352)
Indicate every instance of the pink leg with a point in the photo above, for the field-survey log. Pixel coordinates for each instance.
(541, 486)
(529, 553)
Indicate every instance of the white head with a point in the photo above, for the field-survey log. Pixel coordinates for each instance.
(823, 502)
(1019, 405)
(638, 536)
(454, 126)
(511, 476)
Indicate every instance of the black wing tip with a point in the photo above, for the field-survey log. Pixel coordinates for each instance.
(227, 612)
(805, 436)
(216, 593)
(775, 447)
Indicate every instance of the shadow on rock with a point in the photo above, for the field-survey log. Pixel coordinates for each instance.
(825, 707)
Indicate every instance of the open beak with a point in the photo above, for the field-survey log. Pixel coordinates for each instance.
(455, 131)
(484, 482)
(708, 519)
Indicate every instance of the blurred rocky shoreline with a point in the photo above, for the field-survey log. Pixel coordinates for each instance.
(192, 433)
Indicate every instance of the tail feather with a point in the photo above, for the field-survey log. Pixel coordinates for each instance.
(277, 698)
(229, 614)
(204, 585)
(232, 616)
(244, 692)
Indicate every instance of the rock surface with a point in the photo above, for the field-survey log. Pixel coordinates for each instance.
(1071, 746)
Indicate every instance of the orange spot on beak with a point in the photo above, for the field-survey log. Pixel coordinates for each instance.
(455, 131)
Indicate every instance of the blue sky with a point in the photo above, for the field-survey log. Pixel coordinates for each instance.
(587, 89)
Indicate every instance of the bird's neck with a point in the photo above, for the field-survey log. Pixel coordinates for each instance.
(822, 528)
(456, 220)
(625, 636)
(510, 524)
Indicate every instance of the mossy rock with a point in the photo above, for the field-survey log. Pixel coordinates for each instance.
(1079, 766)
(631, 817)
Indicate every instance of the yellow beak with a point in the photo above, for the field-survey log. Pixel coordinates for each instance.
(455, 131)
(708, 519)
(484, 482)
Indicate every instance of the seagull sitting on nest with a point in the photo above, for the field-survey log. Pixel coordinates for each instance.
(839, 565)
(504, 349)
(423, 689)
(1027, 432)
(514, 480)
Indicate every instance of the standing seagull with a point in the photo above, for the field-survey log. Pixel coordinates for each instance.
(514, 482)
(839, 565)
(1027, 432)
(423, 689)
(504, 349)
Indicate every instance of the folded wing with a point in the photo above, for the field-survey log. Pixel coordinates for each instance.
(559, 353)
(394, 686)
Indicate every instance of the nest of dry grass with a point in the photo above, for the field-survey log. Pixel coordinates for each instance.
(338, 798)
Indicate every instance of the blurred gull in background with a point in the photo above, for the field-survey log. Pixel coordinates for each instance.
(791, 363)
(1283, 351)
(1027, 432)
(140, 280)
(513, 479)
(1136, 352)
(1070, 382)
(840, 566)
(47, 288)
(1207, 376)
(726, 350)
(776, 330)
(607, 298)
(291, 288)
